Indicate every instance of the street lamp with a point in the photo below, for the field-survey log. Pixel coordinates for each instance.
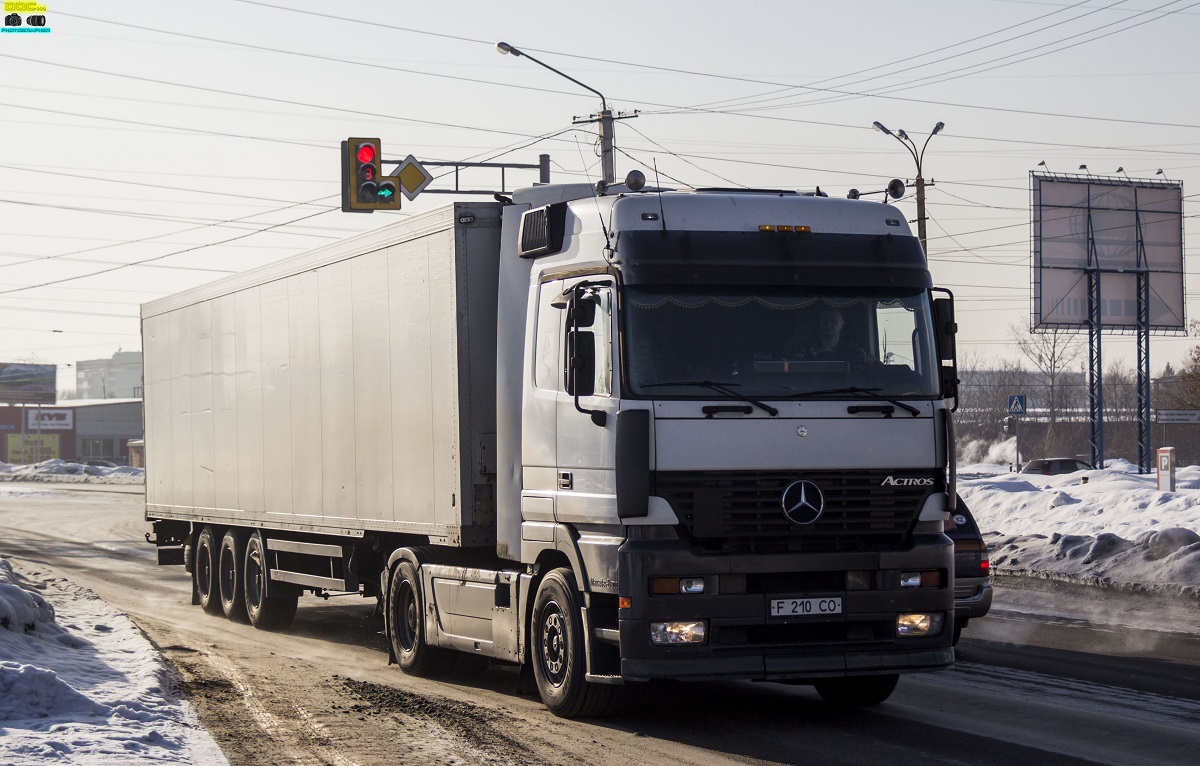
(918, 157)
(607, 153)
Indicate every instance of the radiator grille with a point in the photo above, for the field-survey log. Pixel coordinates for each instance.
(741, 511)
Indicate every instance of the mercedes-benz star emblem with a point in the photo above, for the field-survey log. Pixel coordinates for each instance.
(802, 502)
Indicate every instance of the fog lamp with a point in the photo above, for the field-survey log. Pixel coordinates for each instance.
(671, 633)
(918, 624)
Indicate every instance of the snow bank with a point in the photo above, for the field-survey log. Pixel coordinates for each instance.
(81, 685)
(1108, 527)
(60, 471)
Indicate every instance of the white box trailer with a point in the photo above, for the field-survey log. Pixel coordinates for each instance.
(348, 390)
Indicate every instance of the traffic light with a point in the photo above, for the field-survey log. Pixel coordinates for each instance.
(363, 188)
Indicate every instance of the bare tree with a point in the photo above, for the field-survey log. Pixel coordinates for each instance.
(1053, 353)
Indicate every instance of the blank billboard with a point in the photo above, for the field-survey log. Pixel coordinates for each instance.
(28, 383)
(1116, 227)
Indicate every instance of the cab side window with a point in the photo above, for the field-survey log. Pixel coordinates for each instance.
(587, 347)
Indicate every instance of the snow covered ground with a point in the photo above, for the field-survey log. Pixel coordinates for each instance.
(61, 471)
(1109, 527)
(80, 684)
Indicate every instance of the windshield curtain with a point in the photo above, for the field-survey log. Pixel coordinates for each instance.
(769, 342)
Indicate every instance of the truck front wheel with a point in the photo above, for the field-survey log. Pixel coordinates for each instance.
(274, 612)
(558, 651)
(406, 623)
(229, 576)
(204, 571)
(857, 692)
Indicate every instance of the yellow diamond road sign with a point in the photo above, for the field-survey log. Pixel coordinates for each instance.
(413, 177)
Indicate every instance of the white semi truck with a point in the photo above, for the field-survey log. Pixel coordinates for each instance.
(608, 435)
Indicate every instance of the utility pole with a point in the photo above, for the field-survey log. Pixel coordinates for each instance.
(918, 157)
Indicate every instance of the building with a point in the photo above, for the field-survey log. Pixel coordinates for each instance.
(80, 431)
(117, 378)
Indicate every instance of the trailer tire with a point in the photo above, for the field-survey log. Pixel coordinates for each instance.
(857, 692)
(204, 571)
(229, 575)
(406, 624)
(266, 612)
(559, 658)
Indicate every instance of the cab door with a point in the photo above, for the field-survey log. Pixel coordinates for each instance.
(586, 422)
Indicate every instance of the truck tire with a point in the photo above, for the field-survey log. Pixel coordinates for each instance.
(229, 575)
(857, 692)
(204, 571)
(406, 624)
(559, 659)
(273, 612)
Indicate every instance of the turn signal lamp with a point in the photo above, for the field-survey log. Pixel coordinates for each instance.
(675, 633)
(624, 602)
(671, 586)
(930, 579)
(916, 624)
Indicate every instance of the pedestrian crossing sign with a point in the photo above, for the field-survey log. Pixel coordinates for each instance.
(1016, 404)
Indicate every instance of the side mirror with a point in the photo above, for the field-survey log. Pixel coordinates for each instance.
(945, 330)
(581, 348)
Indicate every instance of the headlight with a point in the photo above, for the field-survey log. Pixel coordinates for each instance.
(918, 624)
(671, 633)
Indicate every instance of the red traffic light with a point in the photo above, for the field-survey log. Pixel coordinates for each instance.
(366, 153)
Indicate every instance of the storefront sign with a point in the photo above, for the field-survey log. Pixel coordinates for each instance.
(49, 420)
(32, 449)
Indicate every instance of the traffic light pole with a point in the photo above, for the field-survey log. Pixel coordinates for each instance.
(542, 166)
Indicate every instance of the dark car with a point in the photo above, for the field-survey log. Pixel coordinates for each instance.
(1053, 466)
(972, 568)
(101, 463)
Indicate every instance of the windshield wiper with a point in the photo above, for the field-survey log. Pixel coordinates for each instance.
(720, 388)
(868, 393)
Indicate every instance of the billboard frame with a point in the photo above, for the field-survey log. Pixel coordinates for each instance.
(1117, 250)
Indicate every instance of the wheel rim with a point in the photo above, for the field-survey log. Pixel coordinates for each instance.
(554, 645)
(406, 610)
(254, 580)
(204, 571)
(228, 575)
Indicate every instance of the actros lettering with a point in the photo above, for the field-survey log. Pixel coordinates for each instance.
(892, 481)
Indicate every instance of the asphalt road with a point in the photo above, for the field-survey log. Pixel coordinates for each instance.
(1056, 675)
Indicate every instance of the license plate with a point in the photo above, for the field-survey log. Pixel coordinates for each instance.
(805, 607)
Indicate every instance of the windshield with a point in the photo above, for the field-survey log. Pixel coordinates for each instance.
(764, 342)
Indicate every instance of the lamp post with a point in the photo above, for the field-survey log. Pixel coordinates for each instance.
(607, 153)
(918, 156)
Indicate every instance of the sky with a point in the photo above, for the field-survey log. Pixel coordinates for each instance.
(149, 147)
(83, 686)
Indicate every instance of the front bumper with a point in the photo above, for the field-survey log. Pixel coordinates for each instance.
(744, 642)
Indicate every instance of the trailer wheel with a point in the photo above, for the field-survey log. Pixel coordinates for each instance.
(857, 692)
(204, 571)
(229, 576)
(274, 612)
(406, 623)
(558, 651)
